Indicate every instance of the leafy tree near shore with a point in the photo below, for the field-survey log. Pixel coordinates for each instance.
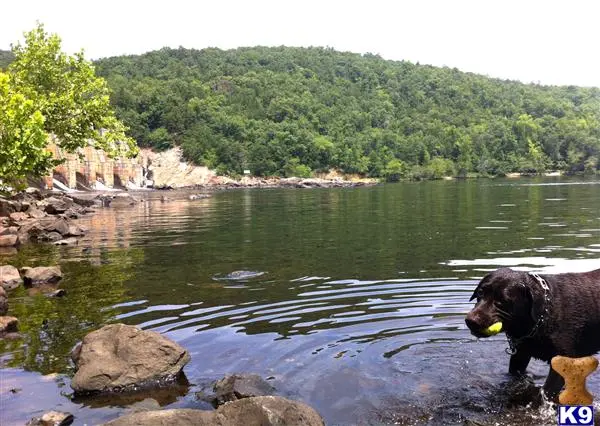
(22, 136)
(47, 92)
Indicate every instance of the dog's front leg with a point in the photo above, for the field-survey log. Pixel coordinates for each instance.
(518, 363)
(553, 385)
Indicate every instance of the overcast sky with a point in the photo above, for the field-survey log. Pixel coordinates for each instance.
(550, 42)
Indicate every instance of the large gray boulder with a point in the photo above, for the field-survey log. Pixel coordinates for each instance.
(33, 277)
(258, 411)
(9, 277)
(118, 357)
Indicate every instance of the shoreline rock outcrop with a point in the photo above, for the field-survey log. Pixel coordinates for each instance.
(31, 216)
(121, 357)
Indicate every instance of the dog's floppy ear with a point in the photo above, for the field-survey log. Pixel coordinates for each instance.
(536, 297)
(483, 281)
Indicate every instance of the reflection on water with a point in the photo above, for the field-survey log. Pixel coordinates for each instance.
(359, 311)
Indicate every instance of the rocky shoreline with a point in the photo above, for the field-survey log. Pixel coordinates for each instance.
(220, 183)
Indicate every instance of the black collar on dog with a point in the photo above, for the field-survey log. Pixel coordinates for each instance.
(512, 342)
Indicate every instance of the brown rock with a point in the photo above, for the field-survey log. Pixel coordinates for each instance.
(33, 277)
(9, 230)
(49, 236)
(8, 240)
(122, 199)
(180, 416)
(82, 201)
(238, 386)
(8, 325)
(9, 206)
(56, 205)
(39, 228)
(9, 277)
(52, 418)
(46, 290)
(34, 193)
(18, 217)
(258, 411)
(119, 356)
(52, 224)
(35, 213)
(74, 231)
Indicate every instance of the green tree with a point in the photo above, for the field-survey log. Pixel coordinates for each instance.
(394, 170)
(64, 96)
(22, 137)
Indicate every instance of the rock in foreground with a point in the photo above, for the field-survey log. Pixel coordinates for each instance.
(238, 386)
(8, 325)
(258, 411)
(52, 418)
(40, 275)
(9, 277)
(119, 357)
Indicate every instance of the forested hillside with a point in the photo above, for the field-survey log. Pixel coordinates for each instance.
(6, 57)
(299, 110)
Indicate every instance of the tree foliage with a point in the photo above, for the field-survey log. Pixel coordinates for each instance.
(47, 92)
(22, 137)
(272, 110)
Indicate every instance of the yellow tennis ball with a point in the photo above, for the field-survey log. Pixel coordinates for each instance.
(493, 329)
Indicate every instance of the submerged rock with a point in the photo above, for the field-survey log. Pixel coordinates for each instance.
(57, 293)
(258, 411)
(122, 199)
(9, 277)
(238, 386)
(52, 418)
(119, 357)
(238, 276)
(71, 241)
(199, 196)
(40, 275)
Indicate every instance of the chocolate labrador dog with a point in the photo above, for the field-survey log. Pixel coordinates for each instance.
(542, 315)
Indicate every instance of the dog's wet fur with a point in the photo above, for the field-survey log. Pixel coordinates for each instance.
(567, 316)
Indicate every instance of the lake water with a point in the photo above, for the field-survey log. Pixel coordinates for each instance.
(359, 313)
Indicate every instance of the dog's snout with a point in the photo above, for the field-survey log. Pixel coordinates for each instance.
(472, 324)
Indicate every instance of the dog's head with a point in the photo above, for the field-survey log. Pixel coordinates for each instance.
(512, 297)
